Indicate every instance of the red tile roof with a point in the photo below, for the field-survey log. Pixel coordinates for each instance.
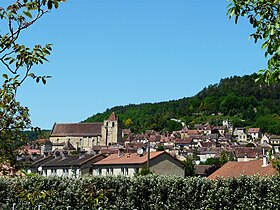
(183, 141)
(133, 158)
(126, 131)
(254, 130)
(113, 117)
(249, 152)
(236, 169)
(192, 132)
(76, 129)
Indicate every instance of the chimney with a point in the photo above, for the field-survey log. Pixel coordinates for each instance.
(64, 154)
(245, 157)
(82, 154)
(56, 154)
(265, 161)
(120, 152)
(45, 154)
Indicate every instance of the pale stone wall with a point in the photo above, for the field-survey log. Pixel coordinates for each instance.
(242, 137)
(126, 170)
(62, 172)
(166, 165)
(85, 143)
(111, 132)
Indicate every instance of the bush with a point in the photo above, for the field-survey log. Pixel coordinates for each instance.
(140, 192)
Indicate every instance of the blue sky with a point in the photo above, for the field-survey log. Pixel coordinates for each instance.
(118, 52)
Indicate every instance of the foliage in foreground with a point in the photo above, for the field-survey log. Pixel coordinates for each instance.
(17, 63)
(141, 192)
(264, 16)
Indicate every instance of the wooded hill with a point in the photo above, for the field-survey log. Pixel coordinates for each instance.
(239, 99)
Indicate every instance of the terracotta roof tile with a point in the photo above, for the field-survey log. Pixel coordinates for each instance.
(133, 158)
(236, 169)
(193, 132)
(183, 141)
(113, 117)
(241, 152)
(254, 130)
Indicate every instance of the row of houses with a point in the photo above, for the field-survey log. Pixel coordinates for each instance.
(62, 163)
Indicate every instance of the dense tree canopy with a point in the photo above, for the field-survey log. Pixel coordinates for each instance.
(264, 16)
(239, 99)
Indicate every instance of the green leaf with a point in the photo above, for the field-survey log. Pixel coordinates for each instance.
(272, 31)
(44, 80)
(5, 76)
(56, 4)
(50, 4)
(28, 14)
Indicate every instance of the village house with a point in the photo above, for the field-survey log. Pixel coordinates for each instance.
(238, 131)
(254, 133)
(245, 154)
(221, 130)
(63, 164)
(130, 164)
(274, 141)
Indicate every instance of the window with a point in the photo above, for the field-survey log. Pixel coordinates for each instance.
(74, 172)
(107, 171)
(65, 172)
(126, 171)
(113, 124)
(98, 171)
(53, 171)
(122, 171)
(111, 171)
(136, 170)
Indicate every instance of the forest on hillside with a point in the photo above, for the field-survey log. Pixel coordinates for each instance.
(243, 101)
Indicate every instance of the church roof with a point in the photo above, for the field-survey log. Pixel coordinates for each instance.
(113, 117)
(76, 129)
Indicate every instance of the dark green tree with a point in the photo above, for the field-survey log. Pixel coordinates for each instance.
(224, 157)
(189, 167)
(212, 161)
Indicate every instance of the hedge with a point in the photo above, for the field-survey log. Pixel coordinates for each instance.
(141, 192)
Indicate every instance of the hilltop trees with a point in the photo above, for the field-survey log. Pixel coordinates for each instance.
(264, 16)
(17, 62)
(239, 99)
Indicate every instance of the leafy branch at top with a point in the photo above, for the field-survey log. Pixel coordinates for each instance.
(264, 16)
(15, 57)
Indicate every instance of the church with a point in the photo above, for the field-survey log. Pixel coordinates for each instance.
(85, 136)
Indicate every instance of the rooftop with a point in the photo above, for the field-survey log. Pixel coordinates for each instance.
(236, 169)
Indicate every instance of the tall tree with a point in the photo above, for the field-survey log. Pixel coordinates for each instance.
(16, 63)
(264, 16)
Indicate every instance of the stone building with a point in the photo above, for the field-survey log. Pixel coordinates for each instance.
(111, 130)
(86, 135)
(129, 164)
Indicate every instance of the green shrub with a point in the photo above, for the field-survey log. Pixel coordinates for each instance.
(140, 192)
